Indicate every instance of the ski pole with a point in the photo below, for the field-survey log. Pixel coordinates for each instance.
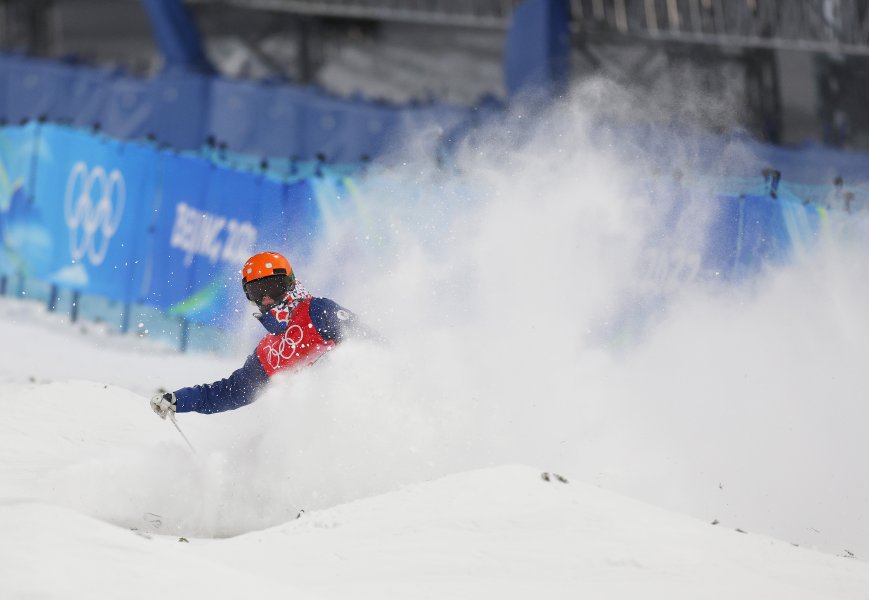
(175, 423)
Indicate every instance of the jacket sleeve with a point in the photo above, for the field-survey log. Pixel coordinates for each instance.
(237, 390)
(271, 322)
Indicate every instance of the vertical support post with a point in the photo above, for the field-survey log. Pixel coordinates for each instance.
(3, 282)
(53, 295)
(673, 17)
(176, 35)
(305, 60)
(599, 11)
(651, 16)
(772, 178)
(621, 16)
(73, 312)
(184, 340)
(537, 48)
(763, 96)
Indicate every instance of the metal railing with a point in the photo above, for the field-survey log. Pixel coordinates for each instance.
(835, 26)
(481, 14)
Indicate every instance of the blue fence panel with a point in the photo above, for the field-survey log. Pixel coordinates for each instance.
(180, 101)
(89, 96)
(168, 107)
(723, 238)
(37, 88)
(92, 196)
(750, 231)
(803, 221)
(183, 108)
(336, 128)
(277, 130)
(305, 124)
(129, 110)
(813, 164)
(373, 128)
(283, 121)
(5, 67)
(763, 237)
(233, 112)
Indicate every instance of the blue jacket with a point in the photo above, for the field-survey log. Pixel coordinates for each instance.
(332, 324)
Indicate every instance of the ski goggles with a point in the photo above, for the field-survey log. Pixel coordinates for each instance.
(273, 286)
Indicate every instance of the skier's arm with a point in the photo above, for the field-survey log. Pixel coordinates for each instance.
(237, 390)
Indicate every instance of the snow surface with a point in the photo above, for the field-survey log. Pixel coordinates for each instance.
(499, 532)
(514, 297)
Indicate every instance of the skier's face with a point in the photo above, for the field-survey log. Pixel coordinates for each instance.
(266, 292)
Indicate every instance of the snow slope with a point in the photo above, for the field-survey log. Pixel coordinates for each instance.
(96, 492)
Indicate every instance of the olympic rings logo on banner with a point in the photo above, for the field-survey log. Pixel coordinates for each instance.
(92, 207)
(285, 347)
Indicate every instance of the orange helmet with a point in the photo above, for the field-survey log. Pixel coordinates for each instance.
(265, 264)
(266, 278)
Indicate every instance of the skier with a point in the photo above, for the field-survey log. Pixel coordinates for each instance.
(300, 328)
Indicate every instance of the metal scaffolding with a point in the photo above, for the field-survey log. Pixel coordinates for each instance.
(830, 26)
(833, 26)
(484, 14)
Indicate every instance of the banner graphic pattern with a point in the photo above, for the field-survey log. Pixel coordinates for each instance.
(138, 225)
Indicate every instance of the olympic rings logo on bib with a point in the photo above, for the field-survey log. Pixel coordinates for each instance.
(285, 347)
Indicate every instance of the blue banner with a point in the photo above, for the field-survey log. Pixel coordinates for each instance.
(91, 195)
(210, 220)
(750, 231)
(193, 242)
(132, 223)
